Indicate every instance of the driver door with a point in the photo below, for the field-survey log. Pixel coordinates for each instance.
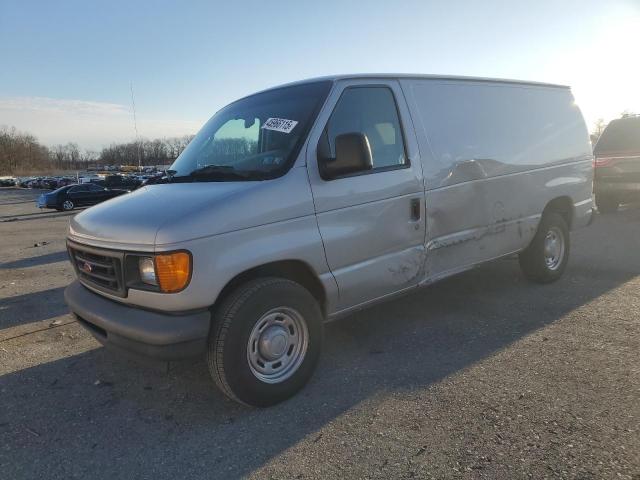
(96, 194)
(371, 222)
(79, 194)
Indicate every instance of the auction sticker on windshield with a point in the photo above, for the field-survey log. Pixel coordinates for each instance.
(279, 125)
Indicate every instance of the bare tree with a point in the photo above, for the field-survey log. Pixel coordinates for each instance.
(598, 128)
(152, 152)
(20, 152)
(87, 158)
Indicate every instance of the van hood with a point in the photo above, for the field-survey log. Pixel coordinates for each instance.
(165, 214)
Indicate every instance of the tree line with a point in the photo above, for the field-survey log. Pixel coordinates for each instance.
(161, 151)
(21, 153)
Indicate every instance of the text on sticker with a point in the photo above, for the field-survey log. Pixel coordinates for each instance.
(279, 125)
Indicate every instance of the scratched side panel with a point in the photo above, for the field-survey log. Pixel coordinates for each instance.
(373, 248)
(373, 245)
(516, 203)
(494, 155)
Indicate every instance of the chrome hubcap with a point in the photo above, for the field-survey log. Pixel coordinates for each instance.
(67, 205)
(553, 248)
(277, 345)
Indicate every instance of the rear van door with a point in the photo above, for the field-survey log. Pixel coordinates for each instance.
(371, 222)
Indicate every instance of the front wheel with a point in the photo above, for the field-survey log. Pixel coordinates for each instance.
(545, 259)
(67, 205)
(265, 341)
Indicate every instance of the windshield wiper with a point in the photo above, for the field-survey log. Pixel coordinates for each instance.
(220, 171)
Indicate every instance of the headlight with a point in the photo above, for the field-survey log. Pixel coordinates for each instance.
(165, 272)
(173, 271)
(147, 271)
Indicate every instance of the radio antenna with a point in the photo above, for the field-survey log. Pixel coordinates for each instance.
(135, 126)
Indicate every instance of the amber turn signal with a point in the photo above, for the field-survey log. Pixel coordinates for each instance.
(173, 271)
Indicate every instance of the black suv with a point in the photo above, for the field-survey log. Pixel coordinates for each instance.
(617, 164)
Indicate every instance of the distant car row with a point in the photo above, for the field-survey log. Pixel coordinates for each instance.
(44, 182)
(129, 182)
(128, 168)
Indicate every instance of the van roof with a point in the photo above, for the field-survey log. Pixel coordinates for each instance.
(355, 76)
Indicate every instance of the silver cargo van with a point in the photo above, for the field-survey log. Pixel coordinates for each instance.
(305, 202)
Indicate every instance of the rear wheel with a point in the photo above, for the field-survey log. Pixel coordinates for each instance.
(265, 341)
(545, 259)
(68, 205)
(607, 203)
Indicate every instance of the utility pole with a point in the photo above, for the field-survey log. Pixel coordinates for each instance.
(135, 126)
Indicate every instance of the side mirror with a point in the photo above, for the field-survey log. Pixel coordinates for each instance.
(353, 155)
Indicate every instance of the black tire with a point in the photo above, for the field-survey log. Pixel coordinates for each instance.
(234, 323)
(607, 203)
(537, 265)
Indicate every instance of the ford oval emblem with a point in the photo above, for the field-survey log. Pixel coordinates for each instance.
(86, 267)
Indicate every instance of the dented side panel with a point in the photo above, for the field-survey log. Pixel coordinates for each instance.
(511, 207)
(373, 245)
(494, 156)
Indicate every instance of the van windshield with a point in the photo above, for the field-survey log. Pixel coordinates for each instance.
(255, 138)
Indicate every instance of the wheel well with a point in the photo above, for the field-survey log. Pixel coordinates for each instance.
(563, 206)
(294, 270)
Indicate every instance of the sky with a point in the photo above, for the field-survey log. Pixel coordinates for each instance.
(67, 67)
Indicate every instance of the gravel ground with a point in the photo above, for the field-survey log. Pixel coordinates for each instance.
(483, 375)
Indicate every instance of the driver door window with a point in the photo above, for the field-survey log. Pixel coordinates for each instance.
(372, 226)
(78, 189)
(79, 194)
(371, 111)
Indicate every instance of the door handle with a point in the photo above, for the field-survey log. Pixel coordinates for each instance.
(416, 209)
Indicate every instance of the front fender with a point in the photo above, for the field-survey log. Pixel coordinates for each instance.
(220, 258)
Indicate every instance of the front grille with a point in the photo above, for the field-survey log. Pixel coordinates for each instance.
(98, 268)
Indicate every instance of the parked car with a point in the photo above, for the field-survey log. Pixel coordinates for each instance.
(128, 182)
(86, 178)
(303, 203)
(7, 182)
(77, 195)
(51, 182)
(24, 182)
(617, 162)
(159, 177)
(34, 182)
(64, 181)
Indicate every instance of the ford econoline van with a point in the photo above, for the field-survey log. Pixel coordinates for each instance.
(305, 202)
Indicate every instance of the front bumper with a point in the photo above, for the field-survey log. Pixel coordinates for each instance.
(152, 334)
(42, 202)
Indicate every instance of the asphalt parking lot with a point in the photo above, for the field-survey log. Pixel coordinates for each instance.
(483, 375)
